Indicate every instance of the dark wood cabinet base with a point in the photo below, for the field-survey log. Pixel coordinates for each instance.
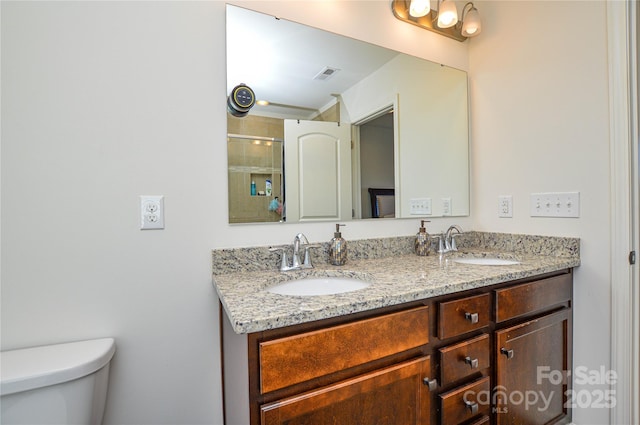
(468, 358)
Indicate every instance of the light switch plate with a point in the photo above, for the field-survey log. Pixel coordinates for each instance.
(555, 204)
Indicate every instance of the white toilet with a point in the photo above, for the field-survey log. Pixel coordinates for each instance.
(56, 384)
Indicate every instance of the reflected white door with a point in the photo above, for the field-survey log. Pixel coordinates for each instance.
(317, 170)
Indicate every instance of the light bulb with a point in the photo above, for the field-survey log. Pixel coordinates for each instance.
(419, 8)
(448, 14)
(472, 24)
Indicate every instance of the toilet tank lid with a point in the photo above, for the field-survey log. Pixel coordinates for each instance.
(29, 368)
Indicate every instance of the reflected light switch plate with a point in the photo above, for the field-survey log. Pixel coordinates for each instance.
(420, 206)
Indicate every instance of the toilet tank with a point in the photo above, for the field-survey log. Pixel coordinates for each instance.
(55, 384)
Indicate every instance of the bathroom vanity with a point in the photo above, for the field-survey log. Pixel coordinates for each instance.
(431, 341)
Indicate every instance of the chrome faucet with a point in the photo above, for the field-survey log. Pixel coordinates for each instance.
(299, 242)
(447, 240)
(295, 262)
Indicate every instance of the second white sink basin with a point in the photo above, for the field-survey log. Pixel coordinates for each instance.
(318, 286)
(486, 261)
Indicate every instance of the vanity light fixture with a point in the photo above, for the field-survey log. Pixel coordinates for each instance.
(471, 24)
(419, 8)
(447, 14)
(443, 20)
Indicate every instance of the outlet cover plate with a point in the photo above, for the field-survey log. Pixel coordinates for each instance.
(446, 206)
(505, 206)
(151, 212)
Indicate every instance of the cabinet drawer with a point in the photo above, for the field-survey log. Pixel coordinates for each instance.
(466, 402)
(393, 395)
(482, 421)
(532, 297)
(463, 315)
(292, 360)
(464, 359)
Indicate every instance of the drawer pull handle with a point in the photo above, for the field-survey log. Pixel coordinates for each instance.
(472, 317)
(431, 383)
(508, 353)
(471, 362)
(472, 406)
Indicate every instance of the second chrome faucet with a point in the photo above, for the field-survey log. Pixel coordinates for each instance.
(301, 246)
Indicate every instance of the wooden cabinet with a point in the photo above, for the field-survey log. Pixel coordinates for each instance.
(459, 361)
(369, 368)
(465, 364)
(533, 356)
(465, 402)
(463, 315)
(470, 358)
(395, 395)
(298, 358)
(533, 297)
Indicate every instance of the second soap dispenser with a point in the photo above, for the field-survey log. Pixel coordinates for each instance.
(338, 248)
(422, 244)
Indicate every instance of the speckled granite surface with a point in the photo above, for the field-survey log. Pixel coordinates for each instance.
(396, 274)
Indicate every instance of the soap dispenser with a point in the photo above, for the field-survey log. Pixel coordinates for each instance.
(422, 244)
(338, 248)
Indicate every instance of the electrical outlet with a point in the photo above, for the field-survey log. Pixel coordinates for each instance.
(555, 204)
(151, 212)
(505, 206)
(420, 206)
(446, 206)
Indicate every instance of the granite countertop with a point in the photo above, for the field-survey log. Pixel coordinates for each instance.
(394, 279)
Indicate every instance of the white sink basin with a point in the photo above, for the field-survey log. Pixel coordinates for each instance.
(486, 261)
(318, 286)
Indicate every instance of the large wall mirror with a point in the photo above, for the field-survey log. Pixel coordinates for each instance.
(340, 129)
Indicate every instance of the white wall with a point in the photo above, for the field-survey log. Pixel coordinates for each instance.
(539, 105)
(106, 101)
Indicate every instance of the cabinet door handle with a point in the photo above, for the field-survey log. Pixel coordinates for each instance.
(472, 317)
(431, 383)
(472, 406)
(471, 362)
(508, 353)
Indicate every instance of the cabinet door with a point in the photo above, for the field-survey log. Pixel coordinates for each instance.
(396, 395)
(532, 358)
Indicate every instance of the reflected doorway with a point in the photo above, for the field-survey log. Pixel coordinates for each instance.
(375, 152)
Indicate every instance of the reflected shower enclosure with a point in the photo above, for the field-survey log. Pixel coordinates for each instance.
(255, 178)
